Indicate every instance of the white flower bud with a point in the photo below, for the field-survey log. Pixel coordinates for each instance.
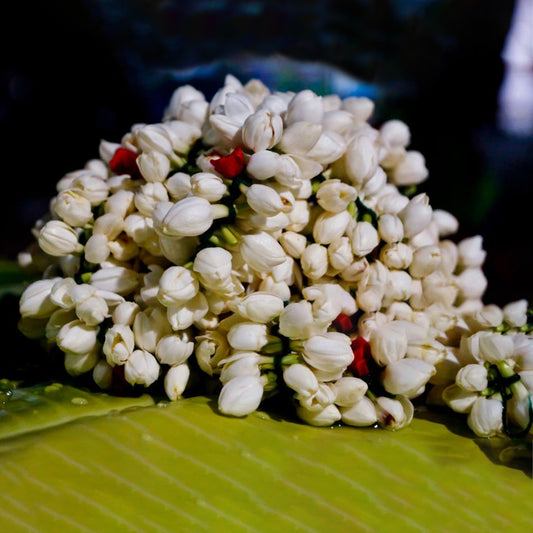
(360, 107)
(240, 364)
(185, 314)
(73, 208)
(407, 376)
(57, 238)
(141, 368)
(330, 352)
(305, 106)
(179, 186)
(296, 320)
(208, 186)
(248, 336)
(154, 166)
(393, 414)
(106, 150)
(93, 310)
(349, 391)
(448, 255)
(75, 364)
(181, 96)
(471, 283)
(458, 399)
(472, 378)
(416, 215)
(430, 351)
(322, 418)
(264, 200)
(390, 228)
(60, 294)
(124, 313)
(293, 243)
(263, 164)
(329, 147)
(361, 414)
(240, 396)
(188, 217)
(262, 130)
(361, 158)
(388, 343)
(52, 327)
(211, 348)
(261, 251)
(495, 347)
(426, 260)
(110, 225)
(154, 138)
(178, 250)
(340, 254)
(103, 374)
(213, 265)
(515, 313)
(334, 196)
(77, 337)
(471, 253)
(329, 227)
(395, 133)
(300, 379)
(120, 280)
(299, 216)
(447, 224)
(299, 137)
(399, 286)
(364, 238)
(411, 170)
(314, 261)
(182, 135)
(176, 380)
(118, 345)
(97, 249)
(176, 285)
(392, 203)
(148, 196)
(93, 188)
(174, 349)
(485, 418)
(338, 120)
(260, 307)
(149, 326)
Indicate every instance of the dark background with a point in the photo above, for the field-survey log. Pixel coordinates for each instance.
(74, 72)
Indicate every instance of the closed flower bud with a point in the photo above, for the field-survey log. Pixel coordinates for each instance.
(300, 379)
(416, 215)
(390, 228)
(57, 238)
(213, 265)
(425, 261)
(188, 217)
(334, 196)
(178, 250)
(471, 253)
(394, 133)
(211, 348)
(75, 364)
(293, 243)
(77, 337)
(299, 137)
(261, 251)
(73, 208)
(361, 158)
(392, 203)
(305, 106)
(393, 414)
(329, 147)
(322, 418)
(97, 249)
(299, 216)
(185, 314)
(149, 326)
(330, 352)
(208, 186)
(154, 166)
(264, 200)
(148, 196)
(240, 364)
(340, 254)
(329, 227)
(118, 345)
(447, 224)
(485, 418)
(263, 164)
(471, 283)
(338, 120)
(411, 170)
(360, 414)
(314, 261)
(407, 376)
(103, 374)
(296, 320)
(176, 285)
(179, 186)
(60, 293)
(141, 368)
(174, 349)
(262, 130)
(181, 134)
(515, 313)
(91, 187)
(110, 225)
(448, 256)
(459, 399)
(388, 344)
(349, 391)
(495, 347)
(125, 312)
(154, 138)
(430, 351)
(240, 396)
(248, 336)
(52, 327)
(120, 280)
(93, 310)
(472, 378)
(176, 380)
(364, 238)
(260, 307)
(360, 107)
(399, 286)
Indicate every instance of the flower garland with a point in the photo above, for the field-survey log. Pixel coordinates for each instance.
(266, 242)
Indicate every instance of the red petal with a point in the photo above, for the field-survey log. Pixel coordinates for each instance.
(343, 323)
(362, 356)
(230, 165)
(124, 161)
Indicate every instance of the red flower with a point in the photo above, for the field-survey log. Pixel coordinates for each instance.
(124, 161)
(230, 165)
(343, 323)
(362, 358)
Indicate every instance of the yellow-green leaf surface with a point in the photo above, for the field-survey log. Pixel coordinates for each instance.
(182, 467)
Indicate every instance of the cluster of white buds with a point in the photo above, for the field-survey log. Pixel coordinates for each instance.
(274, 243)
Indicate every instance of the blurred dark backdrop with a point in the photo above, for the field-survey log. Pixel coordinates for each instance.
(76, 71)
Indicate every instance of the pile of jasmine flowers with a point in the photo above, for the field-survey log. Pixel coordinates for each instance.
(273, 243)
